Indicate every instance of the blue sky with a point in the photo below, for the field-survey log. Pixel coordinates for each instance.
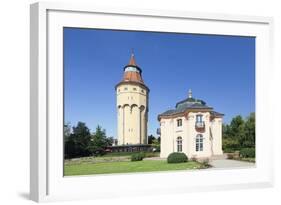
(219, 69)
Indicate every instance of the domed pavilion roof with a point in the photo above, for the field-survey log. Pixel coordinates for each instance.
(189, 103)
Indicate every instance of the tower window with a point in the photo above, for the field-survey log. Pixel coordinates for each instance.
(179, 122)
(135, 89)
(142, 90)
(125, 88)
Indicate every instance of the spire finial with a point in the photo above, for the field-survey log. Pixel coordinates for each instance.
(132, 58)
(189, 93)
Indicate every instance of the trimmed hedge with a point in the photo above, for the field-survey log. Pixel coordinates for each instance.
(229, 150)
(248, 153)
(233, 155)
(177, 157)
(137, 157)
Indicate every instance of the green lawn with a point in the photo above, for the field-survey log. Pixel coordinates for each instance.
(126, 167)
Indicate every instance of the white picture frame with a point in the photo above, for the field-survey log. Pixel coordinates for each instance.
(46, 142)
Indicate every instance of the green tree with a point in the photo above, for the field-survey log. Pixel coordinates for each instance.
(156, 144)
(66, 130)
(99, 142)
(109, 141)
(69, 144)
(82, 139)
(150, 139)
(249, 132)
(226, 131)
(239, 133)
(70, 148)
(236, 126)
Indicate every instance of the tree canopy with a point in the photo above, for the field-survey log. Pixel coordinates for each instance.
(79, 141)
(240, 133)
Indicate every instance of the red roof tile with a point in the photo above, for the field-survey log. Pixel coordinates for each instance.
(132, 60)
(132, 76)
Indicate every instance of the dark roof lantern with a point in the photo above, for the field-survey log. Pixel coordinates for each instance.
(132, 63)
(190, 101)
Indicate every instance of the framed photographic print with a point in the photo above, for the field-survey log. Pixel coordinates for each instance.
(126, 101)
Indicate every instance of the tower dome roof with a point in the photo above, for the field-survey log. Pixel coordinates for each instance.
(132, 65)
(132, 60)
(132, 73)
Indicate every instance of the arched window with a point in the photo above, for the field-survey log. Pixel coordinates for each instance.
(179, 144)
(199, 143)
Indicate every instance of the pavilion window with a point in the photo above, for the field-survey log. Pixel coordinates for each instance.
(199, 143)
(179, 144)
(199, 118)
(199, 121)
(179, 122)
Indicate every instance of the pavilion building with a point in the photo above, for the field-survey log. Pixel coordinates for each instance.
(193, 128)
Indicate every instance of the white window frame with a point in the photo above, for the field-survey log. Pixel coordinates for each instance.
(200, 116)
(179, 122)
(179, 144)
(200, 143)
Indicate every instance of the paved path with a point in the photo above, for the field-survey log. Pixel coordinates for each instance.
(219, 163)
(228, 163)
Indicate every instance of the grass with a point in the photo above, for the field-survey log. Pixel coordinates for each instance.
(83, 168)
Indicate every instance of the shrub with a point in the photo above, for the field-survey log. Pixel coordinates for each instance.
(247, 152)
(137, 157)
(230, 156)
(233, 155)
(230, 144)
(177, 157)
(205, 163)
(193, 158)
(229, 150)
(157, 149)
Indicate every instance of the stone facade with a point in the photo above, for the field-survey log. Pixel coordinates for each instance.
(132, 106)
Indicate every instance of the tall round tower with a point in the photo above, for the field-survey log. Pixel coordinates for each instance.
(132, 106)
